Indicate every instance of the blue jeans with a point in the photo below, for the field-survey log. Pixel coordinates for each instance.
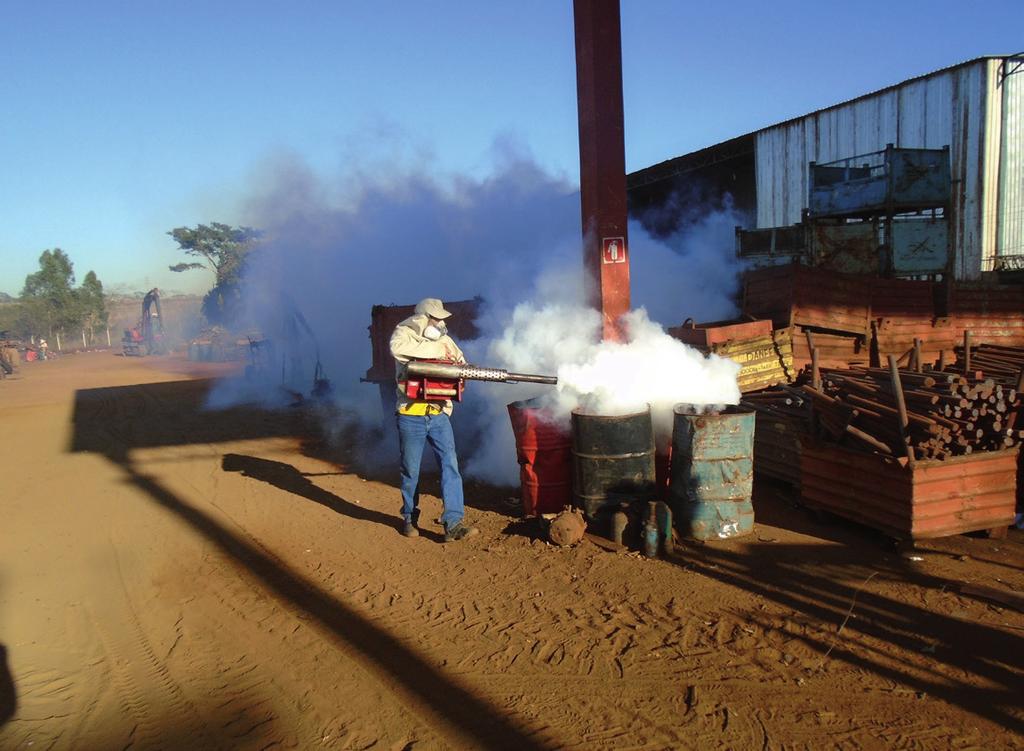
(413, 432)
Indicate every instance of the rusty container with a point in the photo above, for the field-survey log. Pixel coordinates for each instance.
(797, 295)
(544, 450)
(713, 473)
(777, 446)
(765, 356)
(764, 361)
(991, 312)
(612, 459)
(720, 332)
(930, 499)
(662, 471)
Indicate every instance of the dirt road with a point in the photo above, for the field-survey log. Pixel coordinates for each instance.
(175, 578)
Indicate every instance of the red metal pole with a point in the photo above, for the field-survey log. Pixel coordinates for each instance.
(602, 160)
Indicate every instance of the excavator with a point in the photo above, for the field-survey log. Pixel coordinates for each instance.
(147, 338)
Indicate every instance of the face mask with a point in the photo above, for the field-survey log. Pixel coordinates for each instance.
(432, 332)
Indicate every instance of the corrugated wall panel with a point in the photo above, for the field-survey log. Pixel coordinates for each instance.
(1011, 166)
(888, 117)
(939, 121)
(991, 165)
(967, 155)
(946, 108)
(912, 115)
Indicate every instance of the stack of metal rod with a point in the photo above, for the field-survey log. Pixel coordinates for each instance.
(780, 401)
(1003, 365)
(922, 415)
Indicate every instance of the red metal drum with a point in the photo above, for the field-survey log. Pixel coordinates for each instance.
(663, 471)
(544, 450)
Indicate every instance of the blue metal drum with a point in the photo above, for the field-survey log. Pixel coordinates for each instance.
(713, 473)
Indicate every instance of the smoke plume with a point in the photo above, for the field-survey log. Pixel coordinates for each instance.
(335, 248)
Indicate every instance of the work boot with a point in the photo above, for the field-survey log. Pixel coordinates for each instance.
(459, 531)
(409, 529)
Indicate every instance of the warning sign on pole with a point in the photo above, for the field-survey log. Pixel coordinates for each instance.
(613, 250)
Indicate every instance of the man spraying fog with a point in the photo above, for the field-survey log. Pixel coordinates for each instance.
(424, 336)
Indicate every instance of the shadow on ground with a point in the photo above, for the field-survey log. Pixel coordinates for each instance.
(933, 652)
(942, 655)
(287, 478)
(115, 421)
(8, 694)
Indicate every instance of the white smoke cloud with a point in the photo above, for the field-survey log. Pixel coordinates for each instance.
(337, 247)
(693, 273)
(649, 369)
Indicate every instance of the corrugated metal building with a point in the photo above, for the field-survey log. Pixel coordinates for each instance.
(976, 108)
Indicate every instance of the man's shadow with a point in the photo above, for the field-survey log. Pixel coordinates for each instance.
(288, 478)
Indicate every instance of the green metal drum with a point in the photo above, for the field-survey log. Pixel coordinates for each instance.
(612, 459)
(712, 473)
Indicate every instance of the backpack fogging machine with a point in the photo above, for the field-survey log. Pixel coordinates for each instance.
(438, 381)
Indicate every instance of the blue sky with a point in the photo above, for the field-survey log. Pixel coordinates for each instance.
(122, 120)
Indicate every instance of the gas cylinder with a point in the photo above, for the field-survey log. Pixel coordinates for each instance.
(649, 541)
(665, 527)
(619, 522)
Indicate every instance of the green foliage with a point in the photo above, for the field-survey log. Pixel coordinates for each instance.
(49, 294)
(91, 305)
(223, 249)
(50, 304)
(186, 266)
(223, 304)
(14, 319)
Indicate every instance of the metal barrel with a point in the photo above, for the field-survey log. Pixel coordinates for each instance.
(712, 473)
(613, 460)
(544, 450)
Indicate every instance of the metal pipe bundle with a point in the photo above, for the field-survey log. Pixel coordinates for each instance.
(930, 415)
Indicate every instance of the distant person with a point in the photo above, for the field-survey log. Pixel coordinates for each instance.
(43, 349)
(424, 336)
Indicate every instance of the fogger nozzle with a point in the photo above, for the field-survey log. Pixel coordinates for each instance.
(474, 373)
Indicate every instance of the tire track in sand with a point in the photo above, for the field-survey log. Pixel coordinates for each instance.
(145, 689)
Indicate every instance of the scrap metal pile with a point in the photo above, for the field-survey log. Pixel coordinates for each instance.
(972, 405)
(931, 415)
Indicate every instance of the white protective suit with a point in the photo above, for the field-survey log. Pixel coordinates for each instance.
(409, 343)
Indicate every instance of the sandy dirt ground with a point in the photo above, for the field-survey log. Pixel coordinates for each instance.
(183, 579)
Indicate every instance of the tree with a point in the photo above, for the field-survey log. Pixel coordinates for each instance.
(91, 304)
(49, 295)
(224, 249)
(50, 304)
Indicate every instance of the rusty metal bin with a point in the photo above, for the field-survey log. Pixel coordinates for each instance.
(713, 473)
(778, 441)
(765, 356)
(931, 499)
(612, 460)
